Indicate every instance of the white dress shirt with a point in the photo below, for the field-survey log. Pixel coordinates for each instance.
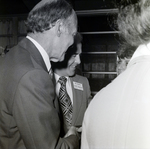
(68, 86)
(42, 52)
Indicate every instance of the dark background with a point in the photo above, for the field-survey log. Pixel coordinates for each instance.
(8, 7)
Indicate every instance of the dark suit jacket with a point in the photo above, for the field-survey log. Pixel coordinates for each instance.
(81, 98)
(29, 119)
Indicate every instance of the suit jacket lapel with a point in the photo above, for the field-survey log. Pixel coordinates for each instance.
(77, 100)
(31, 48)
(56, 103)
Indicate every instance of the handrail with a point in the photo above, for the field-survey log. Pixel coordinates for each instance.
(96, 12)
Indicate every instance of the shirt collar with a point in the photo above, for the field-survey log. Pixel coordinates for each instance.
(57, 77)
(143, 49)
(42, 52)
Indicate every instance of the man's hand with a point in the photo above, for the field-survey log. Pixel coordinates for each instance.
(79, 129)
(73, 131)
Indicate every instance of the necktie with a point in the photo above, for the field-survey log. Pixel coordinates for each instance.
(65, 101)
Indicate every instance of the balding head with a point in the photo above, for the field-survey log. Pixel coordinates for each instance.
(45, 14)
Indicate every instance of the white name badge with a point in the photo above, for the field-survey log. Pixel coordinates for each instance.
(78, 86)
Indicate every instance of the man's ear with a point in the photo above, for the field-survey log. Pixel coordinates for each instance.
(59, 27)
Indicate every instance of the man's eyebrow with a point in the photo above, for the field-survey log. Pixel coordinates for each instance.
(77, 53)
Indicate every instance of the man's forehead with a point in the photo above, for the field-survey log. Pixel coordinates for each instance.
(78, 52)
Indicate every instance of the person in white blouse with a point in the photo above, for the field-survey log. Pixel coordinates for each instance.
(118, 117)
(77, 86)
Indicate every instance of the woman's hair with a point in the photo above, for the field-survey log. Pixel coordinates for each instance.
(43, 16)
(134, 23)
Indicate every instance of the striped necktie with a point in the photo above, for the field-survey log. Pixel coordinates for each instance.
(65, 101)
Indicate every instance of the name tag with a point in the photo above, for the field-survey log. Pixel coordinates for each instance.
(78, 86)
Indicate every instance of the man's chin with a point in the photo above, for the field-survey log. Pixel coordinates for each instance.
(57, 59)
(61, 58)
(72, 73)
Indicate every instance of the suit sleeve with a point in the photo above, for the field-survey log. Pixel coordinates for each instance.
(35, 114)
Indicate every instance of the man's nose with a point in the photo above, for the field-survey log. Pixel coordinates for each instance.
(78, 60)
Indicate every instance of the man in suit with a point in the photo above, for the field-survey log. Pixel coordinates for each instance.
(77, 86)
(118, 117)
(29, 113)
